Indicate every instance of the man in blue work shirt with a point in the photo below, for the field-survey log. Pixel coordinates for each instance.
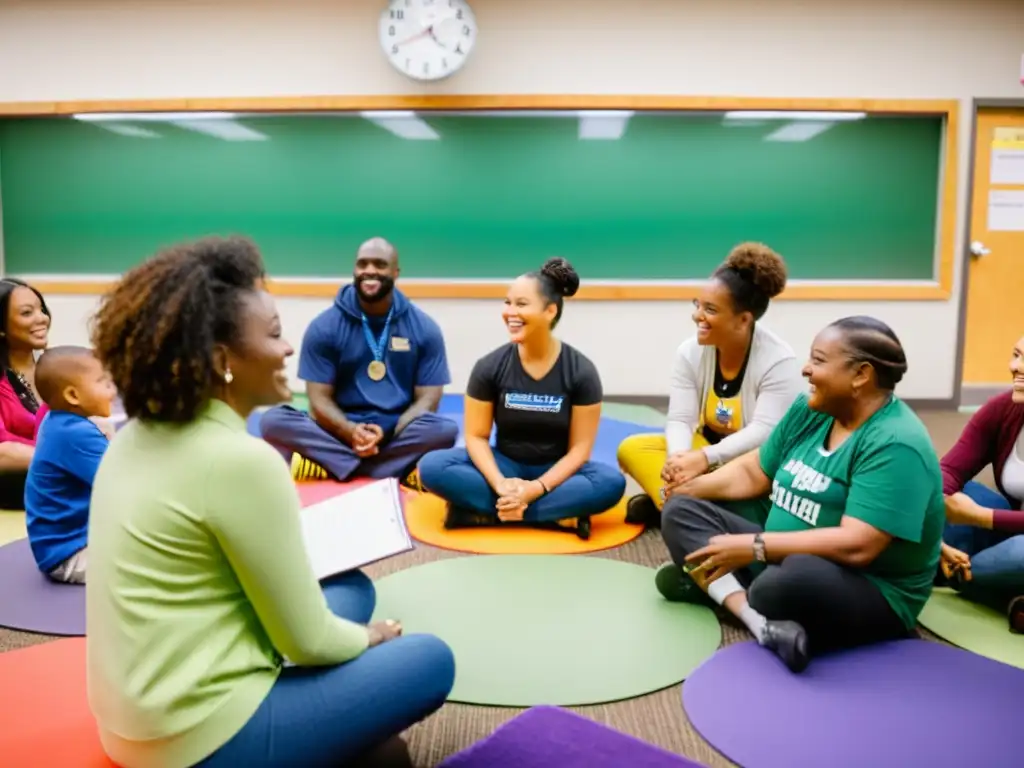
(375, 368)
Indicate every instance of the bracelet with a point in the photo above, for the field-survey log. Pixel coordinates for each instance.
(759, 551)
(546, 489)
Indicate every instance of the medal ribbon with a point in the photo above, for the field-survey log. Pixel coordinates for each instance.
(377, 346)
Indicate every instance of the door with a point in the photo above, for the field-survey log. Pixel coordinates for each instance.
(995, 288)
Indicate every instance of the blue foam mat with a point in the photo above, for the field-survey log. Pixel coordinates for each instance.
(610, 432)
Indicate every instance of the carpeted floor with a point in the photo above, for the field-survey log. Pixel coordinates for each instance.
(657, 718)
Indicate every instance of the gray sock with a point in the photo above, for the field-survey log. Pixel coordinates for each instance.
(754, 621)
(728, 585)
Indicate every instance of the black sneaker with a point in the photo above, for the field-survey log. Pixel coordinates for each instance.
(1015, 614)
(460, 517)
(641, 510)
(676, 587)
(788, 640)
(578, 525)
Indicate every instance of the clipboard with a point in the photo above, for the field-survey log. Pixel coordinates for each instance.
(355, 529)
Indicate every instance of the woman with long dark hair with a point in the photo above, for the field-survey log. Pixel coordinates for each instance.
(24, 329)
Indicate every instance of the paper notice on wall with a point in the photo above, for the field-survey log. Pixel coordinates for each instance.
(1006, 210)
(1008, 138)
(1007, 165)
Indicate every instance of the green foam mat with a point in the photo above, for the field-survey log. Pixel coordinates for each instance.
(973, 627)
(528, 630)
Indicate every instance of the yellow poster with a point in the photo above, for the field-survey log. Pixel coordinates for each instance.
(1008, 138)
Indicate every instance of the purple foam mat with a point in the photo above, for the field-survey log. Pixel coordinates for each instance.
(542, 737)
(892, 705)
(31, 602)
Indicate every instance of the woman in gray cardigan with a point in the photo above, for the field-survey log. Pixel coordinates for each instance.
(730, 385)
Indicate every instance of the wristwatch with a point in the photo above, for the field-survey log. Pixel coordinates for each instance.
(759, 553)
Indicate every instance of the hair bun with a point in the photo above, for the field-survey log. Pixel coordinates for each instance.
(562, 275)
(760, 265)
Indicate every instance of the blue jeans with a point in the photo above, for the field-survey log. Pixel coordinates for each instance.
(997, 557)
(292, 431)
(323, 716)
(451, 474)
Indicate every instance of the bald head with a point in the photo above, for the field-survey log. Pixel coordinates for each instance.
(375, 272)
(378, 246)
(72, 379)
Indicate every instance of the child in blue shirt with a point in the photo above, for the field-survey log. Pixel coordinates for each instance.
(69, 446)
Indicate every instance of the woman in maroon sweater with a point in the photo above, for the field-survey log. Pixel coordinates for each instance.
(983, 553)
(24, 326)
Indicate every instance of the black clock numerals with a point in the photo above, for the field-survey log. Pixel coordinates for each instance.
(447, 57)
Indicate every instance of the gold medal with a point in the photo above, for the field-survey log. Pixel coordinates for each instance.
(376, 370)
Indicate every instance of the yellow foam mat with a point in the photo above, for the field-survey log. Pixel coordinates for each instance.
(12, 526)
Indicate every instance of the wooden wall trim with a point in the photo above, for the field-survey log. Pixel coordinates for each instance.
(299, 289)
(460, 102)
(940, 290)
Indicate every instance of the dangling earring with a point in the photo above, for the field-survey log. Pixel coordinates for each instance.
(228, 376)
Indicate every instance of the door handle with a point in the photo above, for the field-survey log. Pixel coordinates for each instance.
(978, 249)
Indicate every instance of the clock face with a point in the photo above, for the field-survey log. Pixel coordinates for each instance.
(427, 39)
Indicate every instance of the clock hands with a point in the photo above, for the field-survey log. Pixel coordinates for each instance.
(418, 36)
(406, 25)
(432, 20)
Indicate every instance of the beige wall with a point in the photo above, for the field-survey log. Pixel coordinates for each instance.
(82, 49)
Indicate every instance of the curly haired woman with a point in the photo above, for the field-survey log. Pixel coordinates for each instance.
(200, 585)
(730, 385)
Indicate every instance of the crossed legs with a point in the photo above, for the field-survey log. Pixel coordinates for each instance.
(804, 606)
(452, 475)
(324, 716)
(294, 432)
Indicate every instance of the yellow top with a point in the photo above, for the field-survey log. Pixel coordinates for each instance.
(722, 415)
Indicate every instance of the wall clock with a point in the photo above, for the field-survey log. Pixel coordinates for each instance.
(428, 39)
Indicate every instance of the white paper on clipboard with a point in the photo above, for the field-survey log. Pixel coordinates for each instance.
(355, 529)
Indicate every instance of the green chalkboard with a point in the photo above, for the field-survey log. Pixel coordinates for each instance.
(657, 196)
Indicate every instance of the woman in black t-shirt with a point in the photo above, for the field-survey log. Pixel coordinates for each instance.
(544, 397)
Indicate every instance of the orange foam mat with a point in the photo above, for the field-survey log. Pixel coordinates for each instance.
(424, 514)
(44, 713)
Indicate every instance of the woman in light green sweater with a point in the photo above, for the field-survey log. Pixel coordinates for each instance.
(200, 585)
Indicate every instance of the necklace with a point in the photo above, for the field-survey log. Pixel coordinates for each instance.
(29, 397)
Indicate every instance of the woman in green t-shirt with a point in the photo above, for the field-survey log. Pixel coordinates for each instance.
(852, 541)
